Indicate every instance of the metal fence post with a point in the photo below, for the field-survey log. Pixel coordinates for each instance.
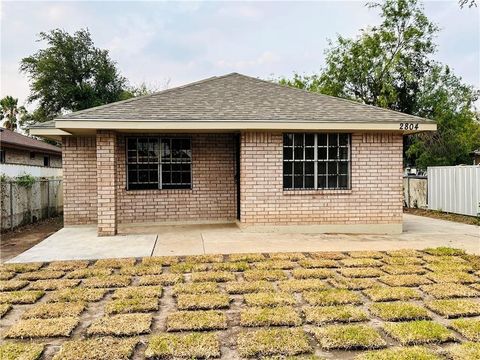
(48, 198)
(11, 206)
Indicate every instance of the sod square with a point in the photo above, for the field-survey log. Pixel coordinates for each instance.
(69, 265)
(403, 269)
(300, 273)
(275, 265)
(348, 337)
(161, 260)
(266, 342)
(399, 311)
(294, 357)
(245, 287)
(366, 254)
(332, 297)
(54, 310)
(268, 275)
(404, 253)
(163, 279)
(141, 269)
(77, 294)
(469, 328)
(418, 332)
(454, 308)
(411, 280)
(108, 281)
(4, 309)
(361, 272)
(9, 285)
(318, 263)
(444, 251)
(248, 257)
(212, 276)
(53, 284)
(22, 267)
(353, 283)
(447, 266)
(102, 348)
(114, 263)
(21, 296)
(385, 293)
(464, 351)
(319, 315)
(231, 266)
(460, 277)
(34, 328)
(138, 292)
(184, 267)
(6, 275)
(361, 262)
(41, 275)
(20, 351)
(202, 301)
(473, 260)
(292, 256)
(450, 290)
(196, 288)
(400, 353)
(295, 285)
(476, 286)
(88, 273)
(196, 320)
(188, 346)
(403, 261)
(442, 259)
(331, 255)
(267, 299)
(121, 325)
(209, 258)
(131, 305)
(264, 316)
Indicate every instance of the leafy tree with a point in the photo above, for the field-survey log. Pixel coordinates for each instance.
(11, 113)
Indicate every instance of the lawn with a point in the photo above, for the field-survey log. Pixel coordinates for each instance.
(404, 304)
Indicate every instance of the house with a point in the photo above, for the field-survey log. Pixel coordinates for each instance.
(476, 156)
(235, 149)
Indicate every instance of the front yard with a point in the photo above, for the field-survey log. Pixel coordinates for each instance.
(366, 305)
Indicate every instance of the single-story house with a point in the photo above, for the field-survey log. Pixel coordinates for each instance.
(235, 149)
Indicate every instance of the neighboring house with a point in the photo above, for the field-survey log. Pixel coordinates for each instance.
(20, 154)
(235, 148)
(476, 156)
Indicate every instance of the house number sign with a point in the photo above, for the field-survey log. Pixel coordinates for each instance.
(408, 126)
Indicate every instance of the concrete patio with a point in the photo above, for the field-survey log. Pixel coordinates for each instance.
(161, 240)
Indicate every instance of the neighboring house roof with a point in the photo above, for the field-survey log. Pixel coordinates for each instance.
(14, 139)
(475, 152)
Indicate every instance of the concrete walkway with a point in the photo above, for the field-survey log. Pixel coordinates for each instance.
(82, 242)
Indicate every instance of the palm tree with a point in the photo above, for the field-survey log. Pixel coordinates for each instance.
(10, 111)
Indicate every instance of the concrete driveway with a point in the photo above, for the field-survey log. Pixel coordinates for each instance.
(140, 240)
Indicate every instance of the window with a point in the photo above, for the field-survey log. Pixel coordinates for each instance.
(2, 156)
(159, 163)
(32, 155)
(46, 161)
(316, 161)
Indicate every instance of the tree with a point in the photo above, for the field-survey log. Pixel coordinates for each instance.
(71, 74)
(11, 113)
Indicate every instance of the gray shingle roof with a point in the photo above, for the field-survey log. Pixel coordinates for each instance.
(11, 138)
(236, 97)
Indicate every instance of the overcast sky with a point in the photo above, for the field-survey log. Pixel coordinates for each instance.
(154, 42)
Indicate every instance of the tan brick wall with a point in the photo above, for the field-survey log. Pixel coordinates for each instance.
(375, 196)
(106, 182)
(80, 180)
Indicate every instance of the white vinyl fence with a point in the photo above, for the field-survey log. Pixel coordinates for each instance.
(454, 189)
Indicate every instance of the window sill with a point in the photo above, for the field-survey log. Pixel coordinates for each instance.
(318, 192)
(156, 191)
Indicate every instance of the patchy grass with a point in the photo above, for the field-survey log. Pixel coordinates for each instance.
(102, 348)
(404, 253)
(41, 275)
(348, 337)
(331, 255)
(196, 320)
(208, 258)
(403, 261)
(361, 272)
(247, 257)
(21, 296)
(245, 287)
(53, 284)
(141, 269)
(465, 351)
(418, 332)
(296, 285)
(34, 328)
(470, 328)
(332, 297)
(318, 263)
(6, 275)
(231, 266)
(366, 254)
(361, 262)
(319, 315)
(292, 256)
(473, 260)
(54, 310)
(400, 353)
(447, 266)
(77, 294)
(267, 342)
(268, 299)
(275, 265)
(114, 263)
(405, 280)
(21, 351)
(444, 251)
(160, 260)
(444, 259)
(316, 273)
(404, 269)
(454, 308)
(138, 292)
(268, 275)
(163, 279)
(131, 305)
(353, 283)
(196, 288)
(202, 302)
(22, 267)
(451, 290)
(4, 309)
(184, 267)
(108, 281)
(10, 285)
(67, 265)
(392, 293)
(121, 325)
(88, 273)
(276, 316)
(189, 346)
(212, 276)
(399, 311)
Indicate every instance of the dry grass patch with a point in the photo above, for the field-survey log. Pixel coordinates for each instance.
(138, 292)
(54, 310)
(248, 257)
(361, 272)
(447, 266)
(114, 263)
(20, 351)
(400, 353)
(34, 328)
(267, 342)
(404, 269)
(403, 261)
(392, 293)
(121, 325)
(131, 305)
(449, 259)
(411, 280)
(209, 258)
(476, 286)
(366, 254)
(77, 294)
(292, 256)
(67, 265)
(348, 337)
(231, 266)
(444, 251)
(332, 255)
(399, 311)
(212, 276)
(202, 302)
(454, 308)
(41, 275)
(453, 277)
(22, 267)
(108, 281)
(196, 320)
(196, 288)
(318, 263)
(6, 275)
(268, 275)
(9, 285)
(353, 283)
(189, 346)
(473, 260)
(245, 287)
(160, 260)
(275, 265)
(361, 262)
(450, 290)
(465, 351)
(404, 253)
(332, 297)
(21, 296)
(418, 332)
(470, 328)
(141, 269)
(88, 273)
(102, 348)
(4, 309)
(264, 316)
(268, 299)
(300, 273)
(296, 285)
(53, 284)
(184, 267)
(163, 279)
(319, 315)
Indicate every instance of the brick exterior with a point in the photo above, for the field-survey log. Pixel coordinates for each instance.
(22, 157)
(375, 196)
(106, 182)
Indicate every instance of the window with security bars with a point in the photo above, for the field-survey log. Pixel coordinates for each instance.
(158, 163)
(316, 161)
